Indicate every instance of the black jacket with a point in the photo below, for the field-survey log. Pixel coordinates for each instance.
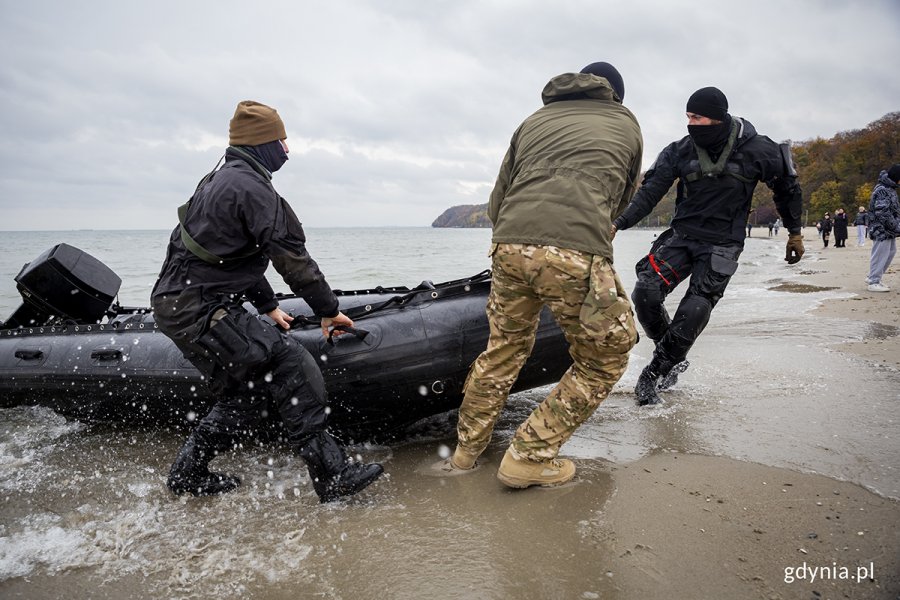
(884, 210)
(236, 213)
(840, 225)
(715, 209)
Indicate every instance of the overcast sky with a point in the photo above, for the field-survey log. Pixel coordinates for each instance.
(395, 110)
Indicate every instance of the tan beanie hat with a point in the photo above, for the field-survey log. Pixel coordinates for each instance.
(254, 124)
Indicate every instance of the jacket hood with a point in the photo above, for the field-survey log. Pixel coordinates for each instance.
(574, 86)
(746, 131)
(885, 180)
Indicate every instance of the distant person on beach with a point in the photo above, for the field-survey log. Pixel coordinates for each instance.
(749, 228)
(840, 228)
(862, 225)
(232, 227)
(717, 166)
(884, 226)
(771, 227)
(571, 167)
(825, 226)
(777, 226)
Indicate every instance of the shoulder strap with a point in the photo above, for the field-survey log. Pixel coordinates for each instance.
(190, 243)
(708, 168)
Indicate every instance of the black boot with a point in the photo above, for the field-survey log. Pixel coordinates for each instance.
(333, 474)
(189, 472)
(671, 378)
(645, 390)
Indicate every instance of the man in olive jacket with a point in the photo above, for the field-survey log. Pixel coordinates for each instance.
(571, 168)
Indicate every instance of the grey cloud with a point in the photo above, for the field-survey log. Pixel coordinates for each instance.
(113, 111)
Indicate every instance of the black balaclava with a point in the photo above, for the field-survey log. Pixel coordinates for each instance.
(711, 137)
(271, 155)
(610, 73)
(710, 102)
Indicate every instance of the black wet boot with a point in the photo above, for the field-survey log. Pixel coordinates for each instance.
(333, 474)
(645, 390)
(189, 473)
(671, 378)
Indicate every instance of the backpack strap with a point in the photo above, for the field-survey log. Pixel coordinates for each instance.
(708, 168)
(190, 243)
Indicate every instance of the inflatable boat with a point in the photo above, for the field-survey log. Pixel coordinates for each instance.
(71, 347)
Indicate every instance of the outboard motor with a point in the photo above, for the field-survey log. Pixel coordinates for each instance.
(63, 284)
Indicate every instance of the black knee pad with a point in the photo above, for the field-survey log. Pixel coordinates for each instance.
(696, 310)
(647, 294)
(648, 300)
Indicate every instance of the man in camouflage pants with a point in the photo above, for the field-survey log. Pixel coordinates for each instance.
(570, 170)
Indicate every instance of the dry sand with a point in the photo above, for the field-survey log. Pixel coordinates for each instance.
(689, 526)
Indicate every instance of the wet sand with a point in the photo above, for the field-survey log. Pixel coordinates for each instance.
(689, 526)
(762, 492)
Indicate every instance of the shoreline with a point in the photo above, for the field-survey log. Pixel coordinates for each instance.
(692, 525)
(742, 487)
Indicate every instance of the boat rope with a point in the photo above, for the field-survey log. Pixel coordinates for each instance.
(361, 312)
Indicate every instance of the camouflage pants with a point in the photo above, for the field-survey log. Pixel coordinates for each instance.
(590, 305)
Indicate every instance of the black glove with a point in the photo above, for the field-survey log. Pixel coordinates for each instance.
(794, 250)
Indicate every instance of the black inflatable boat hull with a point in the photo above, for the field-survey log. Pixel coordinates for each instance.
(412, 363)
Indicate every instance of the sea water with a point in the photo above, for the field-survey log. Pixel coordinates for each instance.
(84, 510)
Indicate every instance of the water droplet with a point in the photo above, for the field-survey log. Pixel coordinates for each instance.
(423, 391)
(270, 474)
(191, 415)
(268, 377)
(444, 451)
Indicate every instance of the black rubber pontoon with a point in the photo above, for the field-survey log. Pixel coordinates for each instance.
(95, 360)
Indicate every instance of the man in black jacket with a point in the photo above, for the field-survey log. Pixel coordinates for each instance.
(234, 224)
(717, 166)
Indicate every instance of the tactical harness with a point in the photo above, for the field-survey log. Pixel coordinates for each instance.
(708, 168)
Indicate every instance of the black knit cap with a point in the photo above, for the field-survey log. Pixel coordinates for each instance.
(708, 102)
(609, 72)
(894, 172)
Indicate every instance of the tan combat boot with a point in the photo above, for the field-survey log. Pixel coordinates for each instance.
(462, 460)
(520, 473)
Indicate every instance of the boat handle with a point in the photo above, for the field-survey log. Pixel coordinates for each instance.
(105, 354)
(29, 354)
(359, 333)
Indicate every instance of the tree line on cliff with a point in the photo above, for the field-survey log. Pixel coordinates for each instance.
(835, 173)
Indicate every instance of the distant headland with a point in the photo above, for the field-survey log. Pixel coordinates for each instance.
(464, 215)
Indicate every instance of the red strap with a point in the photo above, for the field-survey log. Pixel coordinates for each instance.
(656, 268)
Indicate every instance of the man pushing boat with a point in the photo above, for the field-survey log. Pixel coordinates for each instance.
(229, 231)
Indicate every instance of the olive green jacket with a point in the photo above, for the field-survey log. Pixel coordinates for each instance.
(571, 169)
